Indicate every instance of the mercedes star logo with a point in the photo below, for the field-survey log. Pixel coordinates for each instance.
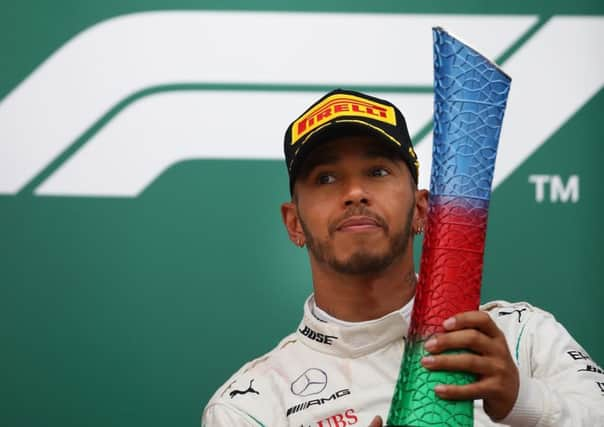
(312, 381)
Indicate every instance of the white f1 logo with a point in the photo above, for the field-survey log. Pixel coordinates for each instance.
(139, 93)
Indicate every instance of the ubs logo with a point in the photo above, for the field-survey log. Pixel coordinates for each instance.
(312, 381)
(347, 418)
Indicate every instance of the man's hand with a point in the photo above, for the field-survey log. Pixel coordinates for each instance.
(376, 422)
(497, 376)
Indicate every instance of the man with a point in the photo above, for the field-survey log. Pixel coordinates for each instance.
(355, 206)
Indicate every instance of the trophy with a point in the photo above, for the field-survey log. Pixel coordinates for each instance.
(470, 94)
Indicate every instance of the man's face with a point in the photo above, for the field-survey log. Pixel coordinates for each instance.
(355, 203)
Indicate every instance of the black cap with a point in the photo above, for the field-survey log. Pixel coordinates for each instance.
(346, 113)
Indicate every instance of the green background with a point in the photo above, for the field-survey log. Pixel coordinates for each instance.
(131, 312)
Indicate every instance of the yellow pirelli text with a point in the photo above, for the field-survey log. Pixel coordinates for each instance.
(337, 106)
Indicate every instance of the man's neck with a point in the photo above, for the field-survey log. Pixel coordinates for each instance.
(356, 298)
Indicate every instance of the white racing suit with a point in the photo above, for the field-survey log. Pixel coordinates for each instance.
(331, 374)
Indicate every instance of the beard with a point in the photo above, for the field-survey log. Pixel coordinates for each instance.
(363, 261)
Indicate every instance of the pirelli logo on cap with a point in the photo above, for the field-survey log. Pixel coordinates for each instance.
(341, 105)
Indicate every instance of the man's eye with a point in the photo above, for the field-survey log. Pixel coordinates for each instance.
(326, 178)
(379, 172)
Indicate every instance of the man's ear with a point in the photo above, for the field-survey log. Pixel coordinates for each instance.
(289, 214)
(420, 215)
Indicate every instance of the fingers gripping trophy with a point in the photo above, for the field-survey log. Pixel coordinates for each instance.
(470, 98)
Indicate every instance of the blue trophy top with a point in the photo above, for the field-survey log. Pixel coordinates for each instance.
(470, 95)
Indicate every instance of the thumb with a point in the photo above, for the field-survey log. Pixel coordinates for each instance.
(377, 422)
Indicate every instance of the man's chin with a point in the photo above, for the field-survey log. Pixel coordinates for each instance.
(362, 262)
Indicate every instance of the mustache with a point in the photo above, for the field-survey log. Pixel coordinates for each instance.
(357, 211)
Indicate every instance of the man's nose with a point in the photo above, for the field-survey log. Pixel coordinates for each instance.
(355, 193)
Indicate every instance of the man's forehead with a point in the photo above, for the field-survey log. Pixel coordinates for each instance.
(335, 150)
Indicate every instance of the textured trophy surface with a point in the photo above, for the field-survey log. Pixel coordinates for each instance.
(470, 94)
